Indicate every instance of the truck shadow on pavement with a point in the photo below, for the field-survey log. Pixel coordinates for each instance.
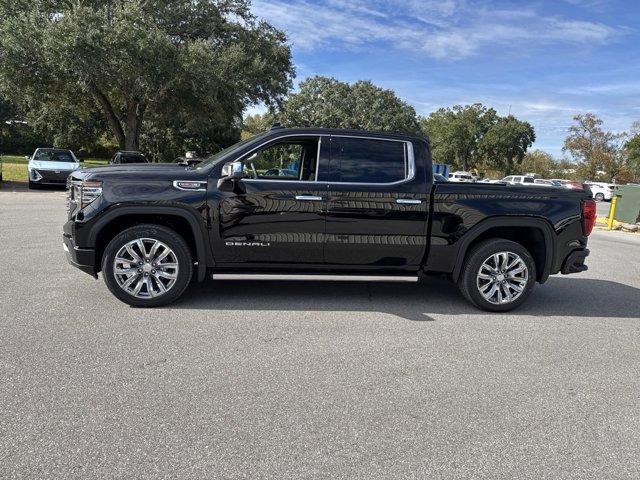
(560, 296)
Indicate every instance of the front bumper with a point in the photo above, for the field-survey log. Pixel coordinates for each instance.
(574, 263)
(82, 258)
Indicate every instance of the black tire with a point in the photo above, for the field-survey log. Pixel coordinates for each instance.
(468, 280)
(599, 197)
(169, 237)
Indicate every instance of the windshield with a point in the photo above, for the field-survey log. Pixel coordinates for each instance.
(216, 157)
(55, 156)
(132, 158)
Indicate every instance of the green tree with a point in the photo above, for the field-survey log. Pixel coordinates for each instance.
(255, 124)
(539, 162)
(505, 144)
(329, 103)
(593, 148)
(632, 152)
(142, 64)
(456, 132)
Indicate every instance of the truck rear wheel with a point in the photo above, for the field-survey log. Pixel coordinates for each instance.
(147, 266)
(498, 275)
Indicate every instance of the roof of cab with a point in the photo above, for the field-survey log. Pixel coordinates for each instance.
(277, 130)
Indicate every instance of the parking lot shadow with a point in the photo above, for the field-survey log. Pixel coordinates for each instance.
(560, 296)
(10, 186)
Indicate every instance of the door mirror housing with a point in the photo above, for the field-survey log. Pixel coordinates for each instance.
(232, 174)
(234, 170)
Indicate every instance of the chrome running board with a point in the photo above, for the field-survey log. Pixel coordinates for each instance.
(315, 278)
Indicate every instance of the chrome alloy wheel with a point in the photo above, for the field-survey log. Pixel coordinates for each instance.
(145, 268)
(502, 278)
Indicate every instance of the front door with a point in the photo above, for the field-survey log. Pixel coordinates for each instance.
(377, 204)
(279, 217)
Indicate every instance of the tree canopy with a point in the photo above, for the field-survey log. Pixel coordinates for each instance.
(474, 135)
(504, 145)
(330, 103)
(593, 148)
(141, 68)
(632, 151)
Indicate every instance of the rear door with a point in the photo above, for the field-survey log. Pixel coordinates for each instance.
(279, 217)
(377, 203)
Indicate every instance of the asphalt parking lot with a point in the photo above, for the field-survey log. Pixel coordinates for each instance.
(285, 380)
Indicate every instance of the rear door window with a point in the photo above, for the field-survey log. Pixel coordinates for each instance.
(368, 160)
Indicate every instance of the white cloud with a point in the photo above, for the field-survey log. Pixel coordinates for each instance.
(444, 30)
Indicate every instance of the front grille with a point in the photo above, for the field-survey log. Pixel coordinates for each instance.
(54, 176)
(72, 195)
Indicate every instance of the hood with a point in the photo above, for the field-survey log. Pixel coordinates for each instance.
(47, 165)
(138, 172)
(150, 168)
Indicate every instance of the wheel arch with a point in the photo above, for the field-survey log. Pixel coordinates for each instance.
(182, 221)
(535, 234)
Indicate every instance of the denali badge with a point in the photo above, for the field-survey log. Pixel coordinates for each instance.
(190, 185)
(247, 244)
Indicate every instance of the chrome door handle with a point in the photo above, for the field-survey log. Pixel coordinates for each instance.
(408, 201)
(308, 198)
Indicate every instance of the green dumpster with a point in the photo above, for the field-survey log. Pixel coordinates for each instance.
(628, 208)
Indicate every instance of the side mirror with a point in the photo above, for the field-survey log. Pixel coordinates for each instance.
(233, 170)
(229, 184)
(26, 157)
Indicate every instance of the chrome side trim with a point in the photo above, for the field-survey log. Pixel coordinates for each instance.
(408, 201)
(315, 278)
(410, 163)
(309, 198)
(175, 184)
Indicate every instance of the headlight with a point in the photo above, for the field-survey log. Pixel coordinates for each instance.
(34, 175)
(85, 192)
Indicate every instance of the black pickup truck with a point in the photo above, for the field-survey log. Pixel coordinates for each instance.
(317, 204)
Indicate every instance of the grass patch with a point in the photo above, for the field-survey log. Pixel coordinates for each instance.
(14, 172)
(14, 167)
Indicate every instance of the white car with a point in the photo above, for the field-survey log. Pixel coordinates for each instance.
(51, 166)
(601, 191)
(518, 179)
(544, 183)
(461, 177)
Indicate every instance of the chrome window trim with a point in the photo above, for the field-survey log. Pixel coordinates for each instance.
(410, 164)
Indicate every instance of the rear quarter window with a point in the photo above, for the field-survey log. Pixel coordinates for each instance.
(364, 160)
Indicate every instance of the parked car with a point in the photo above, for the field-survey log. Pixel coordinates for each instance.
(464, 177)
(570, 184)
(439, 178)
(50, 166)
(280, 172)
(189, 161)
(544, 182)
(601, 191)
(1, 165)
(518, 179)
(358, 209)
(125, 156)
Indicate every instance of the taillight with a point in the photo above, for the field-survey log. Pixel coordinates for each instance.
(588, 216)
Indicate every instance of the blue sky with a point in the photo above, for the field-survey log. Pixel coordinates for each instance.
(544, 61)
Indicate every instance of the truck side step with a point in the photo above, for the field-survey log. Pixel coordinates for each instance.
(315, 278)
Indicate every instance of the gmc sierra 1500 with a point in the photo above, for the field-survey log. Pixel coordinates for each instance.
(323, 205)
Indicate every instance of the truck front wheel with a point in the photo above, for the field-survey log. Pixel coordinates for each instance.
(147, 266)
(498, 275)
